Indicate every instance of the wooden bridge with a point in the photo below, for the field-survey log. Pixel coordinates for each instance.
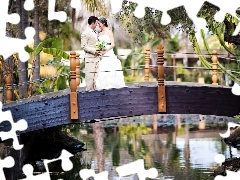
(143, 98)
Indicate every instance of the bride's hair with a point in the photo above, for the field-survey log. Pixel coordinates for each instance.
(103, 20)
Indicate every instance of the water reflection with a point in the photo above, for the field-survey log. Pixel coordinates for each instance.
(181, 147)
(98, 133)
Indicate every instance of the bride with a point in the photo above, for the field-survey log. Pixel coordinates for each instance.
(110, 74)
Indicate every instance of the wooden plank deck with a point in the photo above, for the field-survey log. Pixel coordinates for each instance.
(52, 109)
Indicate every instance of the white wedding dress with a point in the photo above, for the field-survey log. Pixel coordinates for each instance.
(110, 74)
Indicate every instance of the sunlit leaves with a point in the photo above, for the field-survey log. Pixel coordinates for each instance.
(96, 5)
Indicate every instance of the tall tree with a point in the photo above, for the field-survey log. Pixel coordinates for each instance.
(23, 66)
(36, 61)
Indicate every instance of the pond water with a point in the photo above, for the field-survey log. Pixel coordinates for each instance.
(180, 147)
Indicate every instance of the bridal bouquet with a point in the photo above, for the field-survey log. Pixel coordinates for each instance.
(100, 45)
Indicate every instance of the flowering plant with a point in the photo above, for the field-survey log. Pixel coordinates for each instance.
(100, 45)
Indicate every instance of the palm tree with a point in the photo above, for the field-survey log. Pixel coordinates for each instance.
(88, 8)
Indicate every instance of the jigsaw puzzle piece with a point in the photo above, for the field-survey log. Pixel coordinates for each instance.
(87, 173)
(192, 11)
(230, 125)
(231, 175)
(28, 171)
(12, 45)
(75, 4)
(116, 5)
(226, 7)
(5, 17)
(28, 5)
(229, 7)
(8, 162)
(61, 15)
(21, 125)
(163, 6)
(219, 158)
(66, 166)
(66, 162)
(237, 31)
(137, 167)
(236, 87)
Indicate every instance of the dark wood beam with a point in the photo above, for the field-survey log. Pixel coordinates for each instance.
(53, 109)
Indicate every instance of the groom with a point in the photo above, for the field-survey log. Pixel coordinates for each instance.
(88, 41)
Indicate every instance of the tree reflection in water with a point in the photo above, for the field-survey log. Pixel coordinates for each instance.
(98, 132)
(181, 150)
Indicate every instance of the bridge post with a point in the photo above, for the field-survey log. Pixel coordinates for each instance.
(147, 63)
(9, 93)
(73, 87)
(214, 67)
(161, 87)
(78, 69)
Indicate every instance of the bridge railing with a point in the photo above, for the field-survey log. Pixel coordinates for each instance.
(8, 95)
(75, 78)
(214, 70)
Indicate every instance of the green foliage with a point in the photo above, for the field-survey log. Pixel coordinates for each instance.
(151, 23)
(96, 5)
(203, 59)
(173, 43)
(132, 79)
(136, 59)
(51, 46)
(38, 88)
(237, 116)
(66, 33)
(54, 47)
(56, 53)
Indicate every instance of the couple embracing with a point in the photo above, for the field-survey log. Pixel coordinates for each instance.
(103, 70)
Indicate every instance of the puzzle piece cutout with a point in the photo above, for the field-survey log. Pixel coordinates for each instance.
(231, 175)
(28, 171)
(66, 166)
(12, 45)
(229, 7)
(230, 125)
(28, 5)
(8, 162)
(52, 14)
(66, 162)
(192, 9)
(139, 12)
(8, 46)
(87, 173)
(236, 88)
(219, 158)
(61, 15)
(21, 125)
(137, 167)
